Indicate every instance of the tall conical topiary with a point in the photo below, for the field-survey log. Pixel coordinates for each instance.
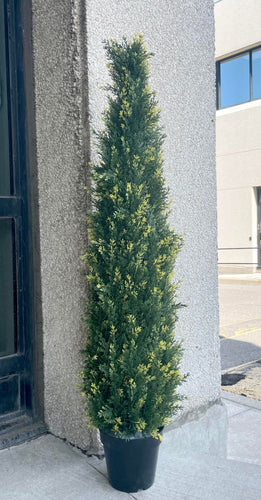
(131, 369)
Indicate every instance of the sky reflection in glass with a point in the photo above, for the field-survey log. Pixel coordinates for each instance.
(234, 80)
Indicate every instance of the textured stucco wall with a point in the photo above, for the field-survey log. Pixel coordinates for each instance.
(181, 34)
(62, 141)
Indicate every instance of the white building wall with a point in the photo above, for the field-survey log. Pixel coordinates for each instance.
(237, 25)
(238, 146)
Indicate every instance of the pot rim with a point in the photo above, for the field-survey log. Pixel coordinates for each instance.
(137, 435)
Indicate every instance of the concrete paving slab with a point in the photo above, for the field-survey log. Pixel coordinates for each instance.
(49, 469)
(244, 437)
(197, 478)
(233, 408)
(244, 428)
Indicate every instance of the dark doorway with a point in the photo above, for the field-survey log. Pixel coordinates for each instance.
(16, 284)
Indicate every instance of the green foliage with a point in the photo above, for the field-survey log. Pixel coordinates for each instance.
(131, 369)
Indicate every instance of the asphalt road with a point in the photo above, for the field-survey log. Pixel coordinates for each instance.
(240, 338)
(240, 324)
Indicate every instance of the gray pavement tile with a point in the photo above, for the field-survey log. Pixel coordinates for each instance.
(99, 464)
(197, 478)
(234, 408)
(49, 469)
(244, 436)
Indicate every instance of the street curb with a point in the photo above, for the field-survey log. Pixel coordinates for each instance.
(241, 400)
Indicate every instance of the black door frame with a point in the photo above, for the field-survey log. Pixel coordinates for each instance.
(22, 208)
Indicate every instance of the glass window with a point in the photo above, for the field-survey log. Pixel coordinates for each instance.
(239, 79)
(234, 81)
(5, 182)
(256, 73)
(7, 288)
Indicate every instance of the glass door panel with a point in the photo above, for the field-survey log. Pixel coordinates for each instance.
(7, 288)
(5, 170)
(16, 346)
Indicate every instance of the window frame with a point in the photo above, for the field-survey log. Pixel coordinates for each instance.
(218, 82)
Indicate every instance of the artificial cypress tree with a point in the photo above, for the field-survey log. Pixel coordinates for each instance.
(131, 370)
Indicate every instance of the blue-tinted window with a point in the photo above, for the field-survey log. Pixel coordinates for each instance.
(234, 81)
(256, 73)
(239, 79)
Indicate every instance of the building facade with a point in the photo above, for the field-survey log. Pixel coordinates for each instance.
(52, 67)
(238, 55)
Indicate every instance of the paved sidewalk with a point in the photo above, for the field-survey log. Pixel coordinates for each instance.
(244, 428)
(240, 279)
(49, 469)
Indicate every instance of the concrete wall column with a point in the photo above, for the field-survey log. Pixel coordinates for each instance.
(60, 65)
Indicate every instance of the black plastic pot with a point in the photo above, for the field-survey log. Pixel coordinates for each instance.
(131, 464)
